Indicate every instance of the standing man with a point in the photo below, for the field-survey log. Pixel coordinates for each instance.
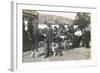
(55, 34)
(33, 36)
(78, 38)
(86, 38)
(49, 40)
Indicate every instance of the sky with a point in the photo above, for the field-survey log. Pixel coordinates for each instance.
(68, 15)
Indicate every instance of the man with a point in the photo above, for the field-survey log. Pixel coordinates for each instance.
(86, 38)
(32, 37)
(55, 33)
(49, 40)
(77, 39)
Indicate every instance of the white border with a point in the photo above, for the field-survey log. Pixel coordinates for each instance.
(17, 35)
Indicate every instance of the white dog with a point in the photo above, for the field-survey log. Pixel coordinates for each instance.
(54, 47)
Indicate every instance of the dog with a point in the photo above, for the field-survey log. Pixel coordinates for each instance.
(56, 49)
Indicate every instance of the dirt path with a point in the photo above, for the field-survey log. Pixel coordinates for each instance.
(72, 54)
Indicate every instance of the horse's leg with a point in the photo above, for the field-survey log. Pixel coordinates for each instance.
(36, 48)
(54, 51)
(32, 52)
(36, 53)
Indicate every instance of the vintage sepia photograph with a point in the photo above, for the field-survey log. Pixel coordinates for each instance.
(55, 36)
(52, 36)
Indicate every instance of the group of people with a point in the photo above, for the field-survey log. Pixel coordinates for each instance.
(58, 35)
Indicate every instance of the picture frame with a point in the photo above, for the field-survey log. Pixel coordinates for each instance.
(17, 37)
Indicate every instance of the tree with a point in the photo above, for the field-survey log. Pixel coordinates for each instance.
(82, 20)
